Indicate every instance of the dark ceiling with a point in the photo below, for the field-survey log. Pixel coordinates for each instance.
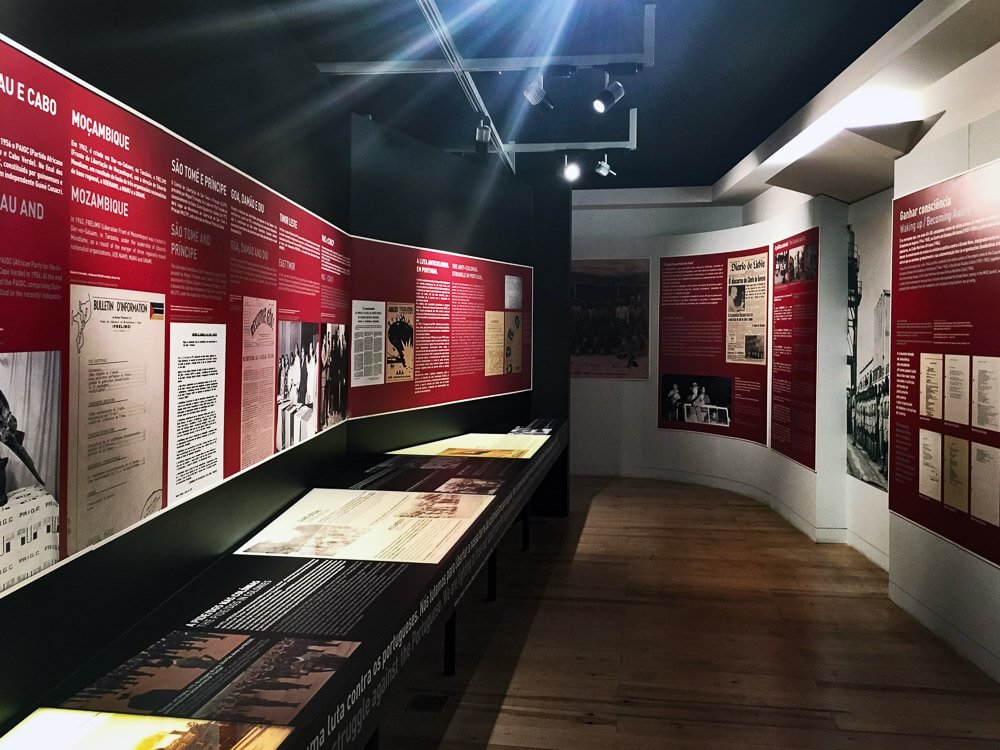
(727, 73)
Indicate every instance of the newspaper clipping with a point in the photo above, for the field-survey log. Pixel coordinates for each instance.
(746, 310)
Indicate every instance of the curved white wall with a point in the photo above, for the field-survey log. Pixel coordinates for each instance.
(614, 423)
(953, 592)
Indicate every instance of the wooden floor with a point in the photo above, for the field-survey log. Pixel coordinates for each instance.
(672, 616)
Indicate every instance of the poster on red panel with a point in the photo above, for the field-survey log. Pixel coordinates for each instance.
(944, 469)
(713, 344)
(793, 347)
(431, 327)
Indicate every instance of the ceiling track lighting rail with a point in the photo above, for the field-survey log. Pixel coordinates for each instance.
(644, 59)
(629, 145)
(512, 147)
(440, 30)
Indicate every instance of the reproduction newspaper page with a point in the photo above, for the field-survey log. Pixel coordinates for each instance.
(116, 352)
(985, 496)
(89, 730)
(480, 445)
(931, 377)
(930, 464)
(746, 310)
(257, 402)
(493, 343)
(197, 404)
(416, 527)
(956, 388)
(367, 350)
(956, 473)
(986, 393)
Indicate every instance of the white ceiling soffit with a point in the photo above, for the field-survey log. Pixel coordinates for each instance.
(854, 163)
(931, 41)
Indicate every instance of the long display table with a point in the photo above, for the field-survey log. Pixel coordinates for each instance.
(292, 641)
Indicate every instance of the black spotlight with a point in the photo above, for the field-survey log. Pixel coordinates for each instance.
(482, 137)
(612, 94)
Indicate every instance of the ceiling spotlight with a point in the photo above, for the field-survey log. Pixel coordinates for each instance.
(482, 137)
(613, 92)
(482, 132)
(604, 169)
(571, 170)
(536, 96)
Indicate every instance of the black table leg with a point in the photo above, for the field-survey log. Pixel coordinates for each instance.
(450, 645)
(491, 577)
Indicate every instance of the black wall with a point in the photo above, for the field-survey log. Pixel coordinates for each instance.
(551, 247)
(405, 191)
(226, 76)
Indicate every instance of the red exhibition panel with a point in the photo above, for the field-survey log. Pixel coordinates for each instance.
(431, 327)
(34, 312)
(167, 321)
(146, 277)
(199, 235)
(945, 421)
(793, 347)
(713, 343)
(301, 249)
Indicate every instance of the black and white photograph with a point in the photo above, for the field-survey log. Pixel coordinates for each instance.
(754, 346)
(221, 676)
(333, 363)
(298, 383)
(795, 264)
(441, 505)
(29, 464)
(868, 326)
(702, 399)
(610, 319)
(736, 300)
(471, 486)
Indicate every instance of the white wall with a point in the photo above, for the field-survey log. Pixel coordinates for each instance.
(952, 591)
(604, 229)
(868, 506)
(613, 423)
